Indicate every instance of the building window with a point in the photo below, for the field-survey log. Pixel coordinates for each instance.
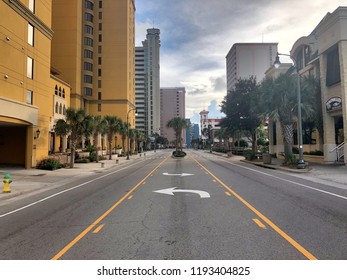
(30, 34)
(64, 110)
(99, 107)
(89, 5)
(63, 93)
(60, 91)
(60, 109)
(333, 67)
(99, 83)
(100, 26)
(88, 41)
(99, 95)
(56, 107)
(99, 49)
(32, 5)
(88, 54)
(30, 68)
(88, 91)
(99, 60)
(56, 90)
(100, 4)
(88, 66)
(29, 97)
(100, 15)
(100, 37)
(88, 17)
(88, 29)
(99, 72)
(88, 79)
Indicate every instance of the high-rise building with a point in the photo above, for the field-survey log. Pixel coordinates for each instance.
(249, 59)
(172, 104)
(147, 83)
(56, 55)
(94, 50)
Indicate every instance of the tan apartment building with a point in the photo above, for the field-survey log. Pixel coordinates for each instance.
(45, 71)
(323, 54)
(93, 48)
(172, 104)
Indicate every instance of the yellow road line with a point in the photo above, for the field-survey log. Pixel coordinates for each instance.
(259, 223)
(295, 244)
(130, 197)
(103, 216)
(228, 193)
(98, 228)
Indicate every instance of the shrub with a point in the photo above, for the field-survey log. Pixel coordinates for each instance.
(179, 154)
(82, 160)
(49, 164)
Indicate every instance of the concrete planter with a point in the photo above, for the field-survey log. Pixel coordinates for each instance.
(267, 158)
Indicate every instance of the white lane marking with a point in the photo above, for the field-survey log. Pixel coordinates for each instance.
(295, 183)
(64, 191)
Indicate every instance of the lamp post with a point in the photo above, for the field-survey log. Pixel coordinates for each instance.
(277, 63)
(132, 109)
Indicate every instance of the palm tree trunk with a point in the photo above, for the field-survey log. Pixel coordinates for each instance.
(109, 138)
(95, 140)
(288, 133)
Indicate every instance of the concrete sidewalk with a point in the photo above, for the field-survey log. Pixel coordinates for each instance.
(30, 181)
(330, 174)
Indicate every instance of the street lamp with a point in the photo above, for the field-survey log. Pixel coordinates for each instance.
(132, 109)
(277, 63)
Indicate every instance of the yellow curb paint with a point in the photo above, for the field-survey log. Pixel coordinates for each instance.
(103, 216)
(289, 239)
(259, 223)
(98, 228)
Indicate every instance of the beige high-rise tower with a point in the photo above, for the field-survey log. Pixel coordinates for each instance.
(93, 49)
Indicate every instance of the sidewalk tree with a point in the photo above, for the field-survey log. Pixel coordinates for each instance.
(177, 124)
(76, 125)
(98, 126)
(279, 98)
(112, 126)
(240, 106)
(123, 131)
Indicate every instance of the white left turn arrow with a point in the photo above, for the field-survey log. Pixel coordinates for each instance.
(181, 175)
(171, 191)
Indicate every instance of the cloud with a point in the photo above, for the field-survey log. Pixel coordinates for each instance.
(196, 35)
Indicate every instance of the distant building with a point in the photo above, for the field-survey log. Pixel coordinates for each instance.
(196, 132)
(147, 83)
(172, 104)
(207, 123)
(249, 59)
(189, 134)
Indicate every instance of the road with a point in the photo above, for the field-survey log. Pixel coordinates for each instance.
(200, 207)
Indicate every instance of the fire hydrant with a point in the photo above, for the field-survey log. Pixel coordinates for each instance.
(7, 181)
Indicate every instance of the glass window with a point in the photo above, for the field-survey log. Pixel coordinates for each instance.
(333, 67)
(88, 79)
(30, 34)
(99, 107)
(88, 66)
(88, 29)
(88, 17)
(88, 54)
(88, 41)
(88, 91)
(89, 5)
(29, 97)
(30, 67)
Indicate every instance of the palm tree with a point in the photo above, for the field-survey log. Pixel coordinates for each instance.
(279, 101)
(132, 138)
(123, 131)
(98, 126)
(112, 126)
(177, 124)
(77, 125)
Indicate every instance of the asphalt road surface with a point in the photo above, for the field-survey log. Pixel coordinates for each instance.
(200, 207)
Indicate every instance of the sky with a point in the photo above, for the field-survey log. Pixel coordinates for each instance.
(196, 36)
